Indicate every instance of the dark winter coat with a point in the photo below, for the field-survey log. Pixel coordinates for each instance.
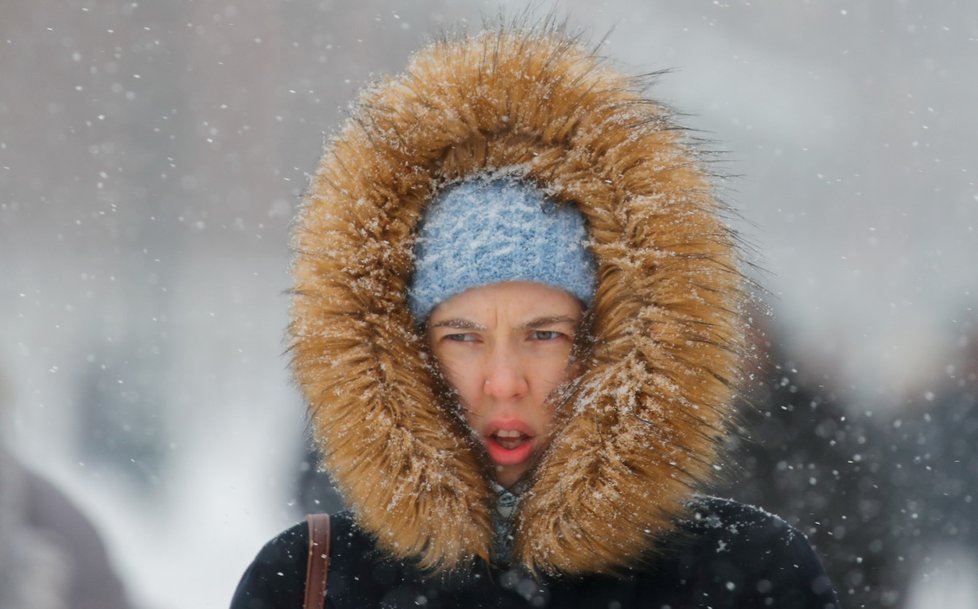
(725, 556)
(635, 432)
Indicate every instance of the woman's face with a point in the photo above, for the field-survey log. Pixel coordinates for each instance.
(503, 348)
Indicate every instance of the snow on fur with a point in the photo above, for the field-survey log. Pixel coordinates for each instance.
(640, 428)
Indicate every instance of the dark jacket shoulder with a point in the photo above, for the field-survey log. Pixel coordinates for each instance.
(276, 578)
(745, 553)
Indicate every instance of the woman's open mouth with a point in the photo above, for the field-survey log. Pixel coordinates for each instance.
(510, 438)
(509, 446)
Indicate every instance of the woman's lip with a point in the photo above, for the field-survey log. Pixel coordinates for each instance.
(508, 424)
(501, 455)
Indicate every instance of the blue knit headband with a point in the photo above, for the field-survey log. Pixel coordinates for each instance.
(485, 231)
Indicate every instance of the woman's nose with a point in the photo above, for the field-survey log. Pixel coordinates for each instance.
(505, 376)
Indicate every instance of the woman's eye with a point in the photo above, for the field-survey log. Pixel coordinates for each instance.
(460, 338)
(546, 335)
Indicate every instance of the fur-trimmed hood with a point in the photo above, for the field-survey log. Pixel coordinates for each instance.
(640, 428)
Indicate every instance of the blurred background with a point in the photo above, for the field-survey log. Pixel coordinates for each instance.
(151, 158)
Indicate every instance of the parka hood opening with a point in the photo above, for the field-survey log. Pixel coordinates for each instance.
(643, 420)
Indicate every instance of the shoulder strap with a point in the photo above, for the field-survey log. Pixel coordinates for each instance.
(318, 563)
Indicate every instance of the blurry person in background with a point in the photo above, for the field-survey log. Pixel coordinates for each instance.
(886, 494)
(51, 556)
(795, 456)
(517, 321)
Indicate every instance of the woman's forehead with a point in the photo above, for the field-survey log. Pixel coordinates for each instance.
(458, 323)
(515, 302)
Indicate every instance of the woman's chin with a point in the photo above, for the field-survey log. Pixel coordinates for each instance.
(510, 467)
(506, 477)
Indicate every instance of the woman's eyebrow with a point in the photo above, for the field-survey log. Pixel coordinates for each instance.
(458, 324)
(540, 322)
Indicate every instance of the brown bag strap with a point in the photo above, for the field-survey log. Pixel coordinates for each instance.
(318, 563)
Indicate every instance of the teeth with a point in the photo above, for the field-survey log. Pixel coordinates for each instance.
(508, 433)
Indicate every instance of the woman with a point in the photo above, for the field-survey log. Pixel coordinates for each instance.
(516, 323)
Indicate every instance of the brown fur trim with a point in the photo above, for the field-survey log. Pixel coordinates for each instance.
(640, 428)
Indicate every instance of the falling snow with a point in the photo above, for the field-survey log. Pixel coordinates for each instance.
(150, 159)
